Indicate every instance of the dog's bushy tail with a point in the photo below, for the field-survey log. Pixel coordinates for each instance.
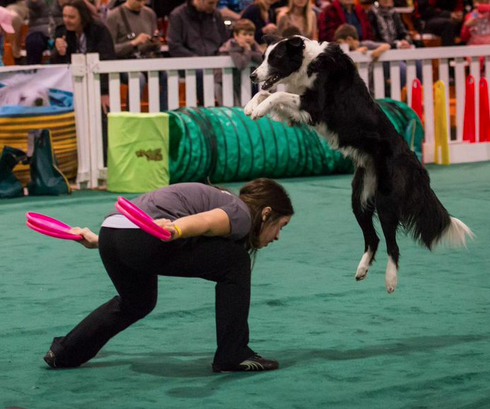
(431, 225)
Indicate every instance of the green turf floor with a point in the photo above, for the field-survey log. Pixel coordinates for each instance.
(341, 343)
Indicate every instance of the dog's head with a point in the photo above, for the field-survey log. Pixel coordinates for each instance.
(281, 59)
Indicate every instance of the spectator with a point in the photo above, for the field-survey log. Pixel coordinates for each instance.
(299, 14)
(387, 25)
(133, 27)
(341, 12)
(242, 49)
(5, 28)
(231, 9)
(81, 33)
(264, 17)
(440, 17)
(44, 17)
(18, 10)
(476, 27)
(347, 34)
(196, 29)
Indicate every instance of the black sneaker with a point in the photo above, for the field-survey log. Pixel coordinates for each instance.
(253, 364)
(50, 359)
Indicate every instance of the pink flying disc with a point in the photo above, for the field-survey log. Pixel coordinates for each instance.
(50, 227)
(141, 219)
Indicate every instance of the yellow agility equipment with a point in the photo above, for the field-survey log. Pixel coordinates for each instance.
(441, 134)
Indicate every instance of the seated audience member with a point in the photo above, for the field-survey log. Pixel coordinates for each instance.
(44, 17)
(5, 28)
(243, 49)
(347, 34)
(19, 11)
(476, 26)
(231, 9)
(388, 26)
(133, 27)
(439, 17)
(196, 29)
(82, 33)
(342, 12)
(264, 17)
(298, 14)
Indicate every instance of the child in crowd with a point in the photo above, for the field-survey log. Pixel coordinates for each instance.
(347, 34)
(476, 27)
(242, 49)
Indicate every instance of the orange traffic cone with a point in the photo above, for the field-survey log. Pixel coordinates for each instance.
(484, 112)
(469, 131)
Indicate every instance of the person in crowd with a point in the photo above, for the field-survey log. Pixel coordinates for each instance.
(232, 9)
(263, 15)
(342, 12)
(6, 28)
(19, 11)
(82, 33)
(299, 14)
(243, 49)
(439, 17)
(214, 236)
(388, 26)
(347, 34)
(196, 29)
(44, 17)
(476, 26)
(134, 30)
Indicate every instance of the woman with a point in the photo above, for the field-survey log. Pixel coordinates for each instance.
(298, 14)
(264, 18)
(83, 33)
(214, 234)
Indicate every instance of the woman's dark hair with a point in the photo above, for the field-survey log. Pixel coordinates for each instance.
(261, 193)
(86, 15)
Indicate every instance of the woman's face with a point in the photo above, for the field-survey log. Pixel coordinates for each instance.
(300, 3)
(71, 19)
(271, 229)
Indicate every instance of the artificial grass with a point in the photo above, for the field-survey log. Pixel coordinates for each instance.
(341, 343)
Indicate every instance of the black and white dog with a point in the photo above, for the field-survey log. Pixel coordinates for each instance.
(324, 90)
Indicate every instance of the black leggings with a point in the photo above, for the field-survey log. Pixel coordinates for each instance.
(133, 259)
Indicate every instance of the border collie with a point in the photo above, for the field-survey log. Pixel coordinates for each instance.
(325, 91)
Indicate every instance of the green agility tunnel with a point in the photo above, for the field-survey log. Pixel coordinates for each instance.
(222, 144)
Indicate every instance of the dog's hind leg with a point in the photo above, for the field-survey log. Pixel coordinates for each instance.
(363, 208)
(389, 222)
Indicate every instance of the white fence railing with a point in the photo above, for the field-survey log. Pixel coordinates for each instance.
(87, 69)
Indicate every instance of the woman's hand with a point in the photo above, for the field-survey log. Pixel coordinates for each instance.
(90, 239)
(269, 29)
(61, 45)
(169, 226)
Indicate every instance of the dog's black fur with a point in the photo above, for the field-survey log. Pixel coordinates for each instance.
(339, 99)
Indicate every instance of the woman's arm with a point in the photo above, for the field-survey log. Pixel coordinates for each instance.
(90, 239)
(212, 223)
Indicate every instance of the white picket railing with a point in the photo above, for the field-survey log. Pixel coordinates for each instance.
(86, 71)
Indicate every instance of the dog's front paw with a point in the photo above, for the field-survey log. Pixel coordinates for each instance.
(255, 102)
(260, 111)
(391, 280)
(249, 107)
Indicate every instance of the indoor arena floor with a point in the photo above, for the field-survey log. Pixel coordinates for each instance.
(340, 343)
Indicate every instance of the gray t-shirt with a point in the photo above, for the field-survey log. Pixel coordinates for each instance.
(185, 199)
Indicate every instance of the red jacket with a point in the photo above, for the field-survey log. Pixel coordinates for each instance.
(333, 17)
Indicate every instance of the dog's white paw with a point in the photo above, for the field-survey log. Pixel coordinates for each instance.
(363, 267)
(260, 111)
(361, 273)
(391, 277)
(249, 107)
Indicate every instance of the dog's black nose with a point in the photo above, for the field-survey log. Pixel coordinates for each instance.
(253, 77)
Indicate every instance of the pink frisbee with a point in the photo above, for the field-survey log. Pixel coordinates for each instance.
(141, 219)
(50, 227)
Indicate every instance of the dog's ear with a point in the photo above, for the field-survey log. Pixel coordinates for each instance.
(295, 43)
(271, 39)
